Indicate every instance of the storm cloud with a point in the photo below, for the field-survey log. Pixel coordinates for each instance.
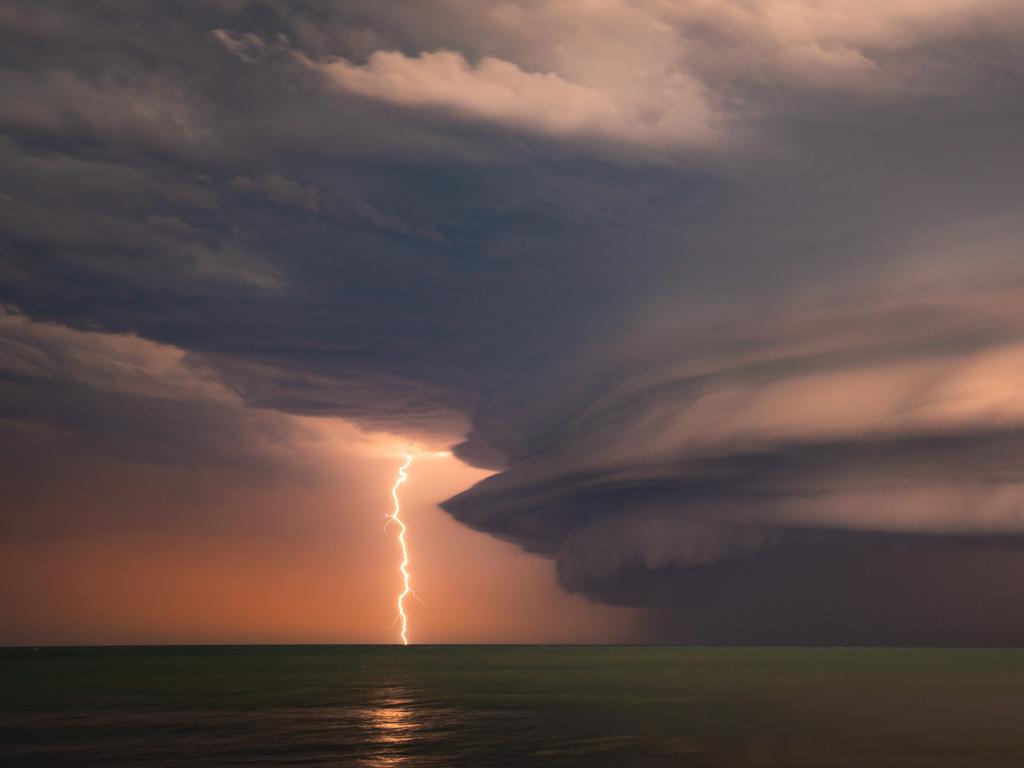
(728, 294)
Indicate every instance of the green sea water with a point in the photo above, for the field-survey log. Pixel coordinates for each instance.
(511, 705)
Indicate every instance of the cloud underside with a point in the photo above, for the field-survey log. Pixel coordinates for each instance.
(711, 492)
(859, 541)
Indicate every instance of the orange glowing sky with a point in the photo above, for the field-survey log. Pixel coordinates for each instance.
(302, 560)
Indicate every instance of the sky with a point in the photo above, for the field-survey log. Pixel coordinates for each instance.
(717, 307)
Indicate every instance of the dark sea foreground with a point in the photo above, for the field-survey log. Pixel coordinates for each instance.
(495, 706)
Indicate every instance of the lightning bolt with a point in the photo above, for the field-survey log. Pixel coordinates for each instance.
(396, 517)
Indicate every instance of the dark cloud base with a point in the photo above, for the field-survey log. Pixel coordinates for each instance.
(838, 589)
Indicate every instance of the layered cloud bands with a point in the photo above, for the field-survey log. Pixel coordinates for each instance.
(834, 437)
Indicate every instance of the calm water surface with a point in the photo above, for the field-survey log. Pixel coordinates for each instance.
(497, 706)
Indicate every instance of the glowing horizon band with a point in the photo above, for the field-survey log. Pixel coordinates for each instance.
(403, 475)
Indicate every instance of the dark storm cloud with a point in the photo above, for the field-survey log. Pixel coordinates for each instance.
(673, 484)
(730, 291)
(159, 185)
(122, 397)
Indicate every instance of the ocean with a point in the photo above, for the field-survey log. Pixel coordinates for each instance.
(484, 706)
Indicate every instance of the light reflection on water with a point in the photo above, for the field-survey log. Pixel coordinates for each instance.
(392, 726)
(402, 727)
